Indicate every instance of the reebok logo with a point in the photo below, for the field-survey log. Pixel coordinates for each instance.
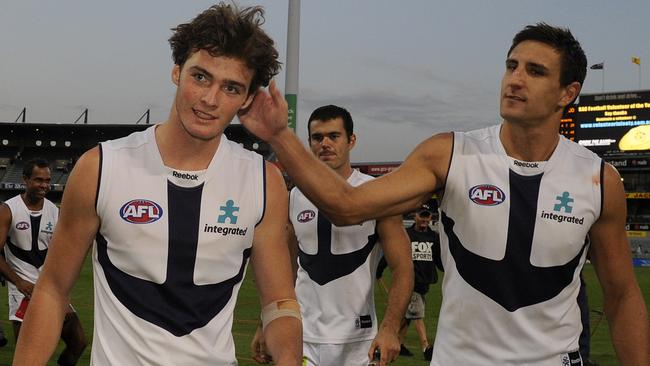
(526, 164)
(185, 175)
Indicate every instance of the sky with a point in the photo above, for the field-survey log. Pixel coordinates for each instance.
(405, 70)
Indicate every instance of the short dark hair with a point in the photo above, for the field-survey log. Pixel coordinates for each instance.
(36, 162)
(330, 112)
(225, 30)
(573, 62)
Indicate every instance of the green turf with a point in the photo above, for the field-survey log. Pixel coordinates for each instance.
(247, 313)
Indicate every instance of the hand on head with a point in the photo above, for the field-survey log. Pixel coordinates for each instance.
(267, 115)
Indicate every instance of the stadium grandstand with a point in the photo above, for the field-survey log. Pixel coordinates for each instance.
(63, 144)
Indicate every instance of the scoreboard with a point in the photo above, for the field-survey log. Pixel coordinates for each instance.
(567, 123)
(613, 123)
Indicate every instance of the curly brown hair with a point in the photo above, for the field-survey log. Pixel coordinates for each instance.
(225, 30)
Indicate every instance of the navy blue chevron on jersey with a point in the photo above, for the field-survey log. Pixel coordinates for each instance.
(513, 244)
(171, 253)
(336, 270)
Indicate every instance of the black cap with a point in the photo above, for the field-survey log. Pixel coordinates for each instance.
(425, 209)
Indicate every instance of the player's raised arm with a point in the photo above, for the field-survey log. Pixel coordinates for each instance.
(423, 172)
(273, 275)
(77, 225)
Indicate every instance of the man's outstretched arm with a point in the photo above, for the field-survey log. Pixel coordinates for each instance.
(423, 172)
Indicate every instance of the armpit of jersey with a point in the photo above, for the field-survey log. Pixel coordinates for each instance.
(324, 266)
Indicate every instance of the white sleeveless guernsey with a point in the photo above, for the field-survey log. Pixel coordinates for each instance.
(29, 238)
(171, 253)
(513, 245)
(336, 273)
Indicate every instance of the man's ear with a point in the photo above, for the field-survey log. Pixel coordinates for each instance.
(249, 100)
(176, 75)
(571, 92)
(352, 141)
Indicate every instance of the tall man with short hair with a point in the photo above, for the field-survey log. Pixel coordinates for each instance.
(176, 212)
(27, 222)
(336, 264)
(517, 202)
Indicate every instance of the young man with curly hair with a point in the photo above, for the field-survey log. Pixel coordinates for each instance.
(176, 211)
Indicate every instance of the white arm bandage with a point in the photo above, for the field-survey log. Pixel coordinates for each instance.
(280, 308)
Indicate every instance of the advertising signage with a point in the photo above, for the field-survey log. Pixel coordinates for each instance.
(613, 123)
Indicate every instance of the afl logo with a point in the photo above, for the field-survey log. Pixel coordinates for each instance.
(23, 225)
(141, 211)
(306, 216)
(486, 195)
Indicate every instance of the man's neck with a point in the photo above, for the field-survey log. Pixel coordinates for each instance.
(529, 142)
(345, 171)
(34, 204)
(179, 150)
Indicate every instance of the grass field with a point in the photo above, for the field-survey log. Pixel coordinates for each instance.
(247, 314)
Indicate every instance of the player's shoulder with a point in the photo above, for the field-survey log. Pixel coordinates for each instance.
(5, 213)
(578, 151)
(50, 205)
(133, 140)
(294, 191)
(482, 133)
(238, 152)
(295, 195)
(13, 203)
(434, 149)
(9, 208)
(358, 178)
(480, 136)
